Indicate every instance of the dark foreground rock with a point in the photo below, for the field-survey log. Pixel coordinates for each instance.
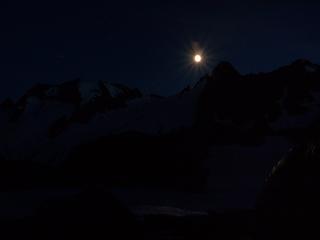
(89, 214)
(289, 207)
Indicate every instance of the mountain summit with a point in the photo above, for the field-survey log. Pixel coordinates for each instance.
(110, 131)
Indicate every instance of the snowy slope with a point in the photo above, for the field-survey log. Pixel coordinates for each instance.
(87, 110)
(26, 124)
(227, 111)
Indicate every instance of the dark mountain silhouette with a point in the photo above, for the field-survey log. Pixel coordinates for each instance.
(63, 145)
(253, 102)
(97, 131)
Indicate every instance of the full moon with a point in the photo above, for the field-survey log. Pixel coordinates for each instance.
(197, 58)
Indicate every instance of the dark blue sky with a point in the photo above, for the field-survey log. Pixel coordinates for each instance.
(144, 43)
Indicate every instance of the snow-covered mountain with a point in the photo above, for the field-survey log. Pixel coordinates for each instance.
(46, 111)
(223, 124)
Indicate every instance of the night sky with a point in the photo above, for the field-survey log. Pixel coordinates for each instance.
(146, 44)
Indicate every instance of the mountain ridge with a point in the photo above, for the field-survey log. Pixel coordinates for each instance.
(182, 140)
